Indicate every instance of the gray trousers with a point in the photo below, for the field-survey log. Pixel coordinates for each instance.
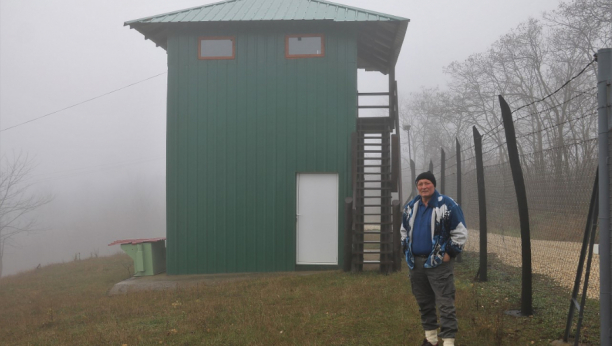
(431, 287)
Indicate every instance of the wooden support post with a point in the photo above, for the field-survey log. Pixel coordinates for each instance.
(521, 199)
(458, 157)
(413, 173)
(442, 170)
(482, 205)
(395, 163)
(397, 246)
(348, 234)
(357, 260)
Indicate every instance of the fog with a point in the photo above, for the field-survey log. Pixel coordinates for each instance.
(99, 138)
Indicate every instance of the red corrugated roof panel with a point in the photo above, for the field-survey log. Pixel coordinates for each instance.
(137, 241)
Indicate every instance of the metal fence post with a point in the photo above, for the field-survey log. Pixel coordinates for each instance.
(523, 210)
(442, 170)
(413, 172)
(604, 81)
(589, 233)
(458, 157)
(482, 204)
(431, 166)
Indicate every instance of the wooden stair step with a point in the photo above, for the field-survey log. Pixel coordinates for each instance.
(372, 232)
(373, 242)
(373, 223)
(375, 214)
(372, 252)
(374, 181)
(386, 190)
(372, 262)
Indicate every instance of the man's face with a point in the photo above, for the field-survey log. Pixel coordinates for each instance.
(426, 188)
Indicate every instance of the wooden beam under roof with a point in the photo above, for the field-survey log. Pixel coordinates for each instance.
(379, 46)
(375, 35)
(389, 27)
(364, 49)
(379, 63)
(369, 66)
(156, 34)
(367, 47)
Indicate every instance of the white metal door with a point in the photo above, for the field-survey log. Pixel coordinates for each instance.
(317, 219)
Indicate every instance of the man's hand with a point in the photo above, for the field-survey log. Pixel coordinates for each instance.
(447, 258)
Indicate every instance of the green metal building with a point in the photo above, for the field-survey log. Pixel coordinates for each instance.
(262, 102)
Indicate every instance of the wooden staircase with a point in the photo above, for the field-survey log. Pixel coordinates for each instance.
(373, 217)
(374, 182)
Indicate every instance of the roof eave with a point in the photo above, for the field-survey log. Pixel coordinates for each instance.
(400, 34)
(155, 32)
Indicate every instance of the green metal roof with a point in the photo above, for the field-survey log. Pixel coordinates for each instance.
(381, 35)
(255, 10)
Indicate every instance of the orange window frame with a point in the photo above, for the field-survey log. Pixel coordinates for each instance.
(231, 38)
(299, 56)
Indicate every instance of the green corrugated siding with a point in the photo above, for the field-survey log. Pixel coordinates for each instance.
(238, 133)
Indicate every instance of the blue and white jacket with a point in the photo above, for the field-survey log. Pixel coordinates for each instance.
(448, 231)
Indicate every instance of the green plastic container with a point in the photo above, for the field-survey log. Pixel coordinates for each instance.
(149, 257)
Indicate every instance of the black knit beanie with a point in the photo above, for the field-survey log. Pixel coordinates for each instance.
(426, 175)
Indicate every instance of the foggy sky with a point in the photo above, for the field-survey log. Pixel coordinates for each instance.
(104, 160)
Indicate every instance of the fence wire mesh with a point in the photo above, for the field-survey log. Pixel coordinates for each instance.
(450, 188)
(559, 183)
(557, 140)
(559, 159)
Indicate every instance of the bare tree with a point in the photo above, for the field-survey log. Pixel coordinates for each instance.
(436, 119)
(526, 65)
(17, 202)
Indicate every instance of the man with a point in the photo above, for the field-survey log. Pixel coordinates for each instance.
(433, 233)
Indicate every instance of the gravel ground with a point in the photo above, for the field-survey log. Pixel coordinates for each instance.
(555, 259)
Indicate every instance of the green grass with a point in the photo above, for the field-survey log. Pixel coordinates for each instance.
(66, 304)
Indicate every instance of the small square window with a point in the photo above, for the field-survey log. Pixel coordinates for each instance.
(211, 48)
(304, 46)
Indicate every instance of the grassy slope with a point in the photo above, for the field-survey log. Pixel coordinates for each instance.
(66, 304)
